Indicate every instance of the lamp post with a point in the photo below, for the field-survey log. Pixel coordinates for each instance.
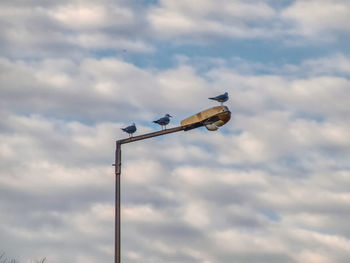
(213, 117)
(118, 156)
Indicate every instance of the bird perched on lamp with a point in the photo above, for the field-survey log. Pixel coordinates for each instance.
(164, 121)
(130, 129)
(221, 98)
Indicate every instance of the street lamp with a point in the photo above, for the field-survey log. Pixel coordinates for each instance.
(211, 118)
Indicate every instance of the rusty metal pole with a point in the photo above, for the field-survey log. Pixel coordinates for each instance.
(117, 201)
(220, 113)
(118, 156)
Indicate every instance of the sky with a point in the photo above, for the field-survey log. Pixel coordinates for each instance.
(272, 185)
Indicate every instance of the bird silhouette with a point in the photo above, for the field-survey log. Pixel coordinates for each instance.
(221, 98)
(164, 121)
(130, 129)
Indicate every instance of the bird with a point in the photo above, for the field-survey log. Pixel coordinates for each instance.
(164, 121)
(221, 98)
(130, 129)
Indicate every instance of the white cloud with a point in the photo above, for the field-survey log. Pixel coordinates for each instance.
(310, 20)
(71, 27)
(93, 16)
(75, 28)
(223, 18)
(336, 64)
(60, 87)
(142, 213)
(318, 19)
(272, 184)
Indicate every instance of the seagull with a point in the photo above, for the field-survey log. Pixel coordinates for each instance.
(221, 98)
(163, 121)
(130, 129)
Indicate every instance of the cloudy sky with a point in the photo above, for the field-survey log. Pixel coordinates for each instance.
(270, 186)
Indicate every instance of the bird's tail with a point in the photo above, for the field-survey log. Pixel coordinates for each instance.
(213, 98)
(155, 121)
(123, 129)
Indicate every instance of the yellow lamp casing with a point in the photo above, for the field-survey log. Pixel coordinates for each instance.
(212, 118)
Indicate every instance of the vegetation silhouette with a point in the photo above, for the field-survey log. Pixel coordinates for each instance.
(4, 259)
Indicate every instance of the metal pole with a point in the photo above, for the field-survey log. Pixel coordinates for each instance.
(152, 134)
(210, 116)
(117, 164)
(117, 202)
